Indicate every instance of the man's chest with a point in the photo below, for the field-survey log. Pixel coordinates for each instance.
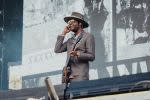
(80, 45)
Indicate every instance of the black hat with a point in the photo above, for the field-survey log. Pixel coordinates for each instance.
(77, 16)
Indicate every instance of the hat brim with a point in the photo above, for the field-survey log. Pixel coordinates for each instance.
(85, 24)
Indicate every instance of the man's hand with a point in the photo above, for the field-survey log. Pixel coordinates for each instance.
(74, 53)
(66, 30)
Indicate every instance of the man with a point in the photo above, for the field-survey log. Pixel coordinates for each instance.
(84, 50)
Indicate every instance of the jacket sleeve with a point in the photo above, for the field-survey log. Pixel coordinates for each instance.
(60, 46)
(89, 54)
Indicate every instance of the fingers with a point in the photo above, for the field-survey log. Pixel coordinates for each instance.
(67, 29)
(73, 53)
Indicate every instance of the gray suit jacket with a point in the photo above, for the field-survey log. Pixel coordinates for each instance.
(79, 65)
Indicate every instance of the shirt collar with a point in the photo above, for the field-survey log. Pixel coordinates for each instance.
(76, 36)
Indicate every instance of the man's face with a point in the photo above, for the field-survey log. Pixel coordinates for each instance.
(73, 25)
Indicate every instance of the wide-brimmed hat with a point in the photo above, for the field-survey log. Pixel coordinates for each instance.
(77, 16)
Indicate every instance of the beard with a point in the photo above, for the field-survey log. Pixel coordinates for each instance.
(74, 29)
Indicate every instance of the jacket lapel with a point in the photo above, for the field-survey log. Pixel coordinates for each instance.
(80, 40)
